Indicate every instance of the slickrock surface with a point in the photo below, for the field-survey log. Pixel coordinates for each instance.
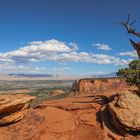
(79, 118)
(65, 119)
(125, 112)
(13, 107)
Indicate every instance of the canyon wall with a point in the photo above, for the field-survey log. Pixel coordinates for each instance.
(99, 85)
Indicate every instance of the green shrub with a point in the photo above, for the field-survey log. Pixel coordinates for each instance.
(132, 73)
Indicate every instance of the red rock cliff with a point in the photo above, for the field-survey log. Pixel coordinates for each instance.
(99, 85)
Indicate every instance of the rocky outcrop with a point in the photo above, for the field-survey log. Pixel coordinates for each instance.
(57, 92)
(80, 118)
(125, 112)
(64, 119)
(100, 85)
(13, 107)
(75, 118)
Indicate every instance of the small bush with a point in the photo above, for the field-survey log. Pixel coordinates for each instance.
(132, 73)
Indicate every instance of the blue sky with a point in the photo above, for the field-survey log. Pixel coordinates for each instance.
(65, 36)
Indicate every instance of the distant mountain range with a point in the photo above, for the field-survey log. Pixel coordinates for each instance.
(51, 75)
(23, 76)
(106, 75)
(31, 75)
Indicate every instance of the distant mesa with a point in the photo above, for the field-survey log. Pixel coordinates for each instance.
(99, 85)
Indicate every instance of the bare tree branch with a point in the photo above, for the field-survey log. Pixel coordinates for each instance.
(128, 18)
(129, 26)
(131, 30)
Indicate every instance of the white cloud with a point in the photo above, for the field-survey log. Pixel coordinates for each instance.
(36, 42)
(51, 50)
(4, 58)
(130, 54)
(99, 72)
(102, 46)
(40, 50)
(88, 58)
(108, 59)
(42, 47)
(61, 70)
(13, 68)
(74, 46)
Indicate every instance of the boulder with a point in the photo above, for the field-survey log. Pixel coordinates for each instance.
(125, 112)
(13, 107)
(57, 92)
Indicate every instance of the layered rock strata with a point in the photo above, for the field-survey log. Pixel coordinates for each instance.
(13, 107)
(100, 85)
(125, 112)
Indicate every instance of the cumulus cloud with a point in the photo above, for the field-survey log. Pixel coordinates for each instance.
(74, 46)
(40, 47)
(102, 46)
(98, 72)
(61, 70)
(49, 46)
(130, 54)
(52, 50)
(40, 50)
(108, 59)
(89, 58)
(13, 68)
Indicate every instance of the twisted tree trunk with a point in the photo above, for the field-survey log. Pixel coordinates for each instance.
(131, 30)
(137, 48)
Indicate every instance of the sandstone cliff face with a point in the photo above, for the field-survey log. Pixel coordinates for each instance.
(90, 86)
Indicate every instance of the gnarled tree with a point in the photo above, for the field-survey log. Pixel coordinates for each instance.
(128, 25)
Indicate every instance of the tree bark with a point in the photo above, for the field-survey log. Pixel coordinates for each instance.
(136, 47)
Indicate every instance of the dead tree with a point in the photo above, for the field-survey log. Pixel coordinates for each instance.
(128, 25)
(136, 46)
